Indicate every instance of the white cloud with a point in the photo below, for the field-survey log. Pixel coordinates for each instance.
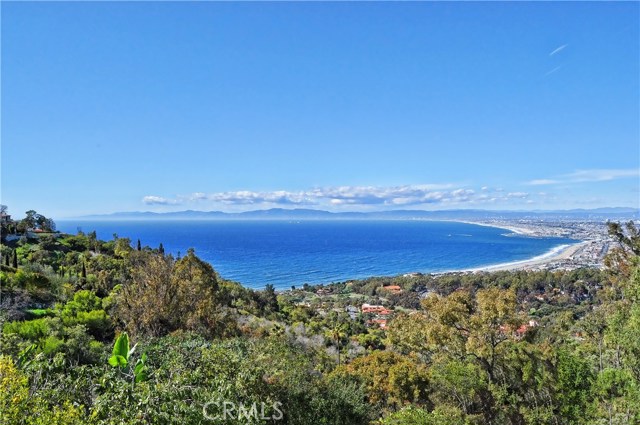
(557, 68)
(603, 175)
(406, 195)
(537, 182)
(197, 196)
(517, 195)
(245, 197)
(558, 49)
(158, 200)
(582, 176)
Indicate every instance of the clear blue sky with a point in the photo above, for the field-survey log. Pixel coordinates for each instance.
(343, 106)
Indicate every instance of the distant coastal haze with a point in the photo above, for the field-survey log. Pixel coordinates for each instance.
(612, 213)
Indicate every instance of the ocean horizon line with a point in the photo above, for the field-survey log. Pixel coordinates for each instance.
(288, 253)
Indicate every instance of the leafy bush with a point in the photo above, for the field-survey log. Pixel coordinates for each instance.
(32, 330)
(18, 407)
(86, 309)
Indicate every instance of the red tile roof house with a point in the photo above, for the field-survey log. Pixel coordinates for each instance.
(519, 332)
(392, 288)
(381, 314)
(382, 323)
(379, 309)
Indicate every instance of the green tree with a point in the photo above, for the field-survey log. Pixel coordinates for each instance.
(268, 299)
(165, 296)
(337, 333)
(574, 379)
(628, 236)
(458, 384)
(461, 324)
(622, 260)
(83, 274)
(412, 415)
(197, 297)
(618, 397)
(465, 335)
(390, 379)
(30, 220)
(144, 304)
(122, 247)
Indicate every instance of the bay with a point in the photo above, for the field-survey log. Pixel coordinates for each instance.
(285, 253)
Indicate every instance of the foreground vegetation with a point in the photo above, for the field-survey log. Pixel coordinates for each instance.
(102, 332)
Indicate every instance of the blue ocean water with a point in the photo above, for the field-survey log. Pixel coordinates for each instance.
(285, 253)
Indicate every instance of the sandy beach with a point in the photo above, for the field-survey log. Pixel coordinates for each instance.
(589, 249)
(513, 229)
(565, 252)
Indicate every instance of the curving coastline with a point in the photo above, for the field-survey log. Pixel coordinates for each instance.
(584, 252)
(556, 254)
(524, 231)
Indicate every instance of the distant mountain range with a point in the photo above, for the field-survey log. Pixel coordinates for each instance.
(618, 213)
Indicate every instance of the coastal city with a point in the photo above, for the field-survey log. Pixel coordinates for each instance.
(592, 244)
